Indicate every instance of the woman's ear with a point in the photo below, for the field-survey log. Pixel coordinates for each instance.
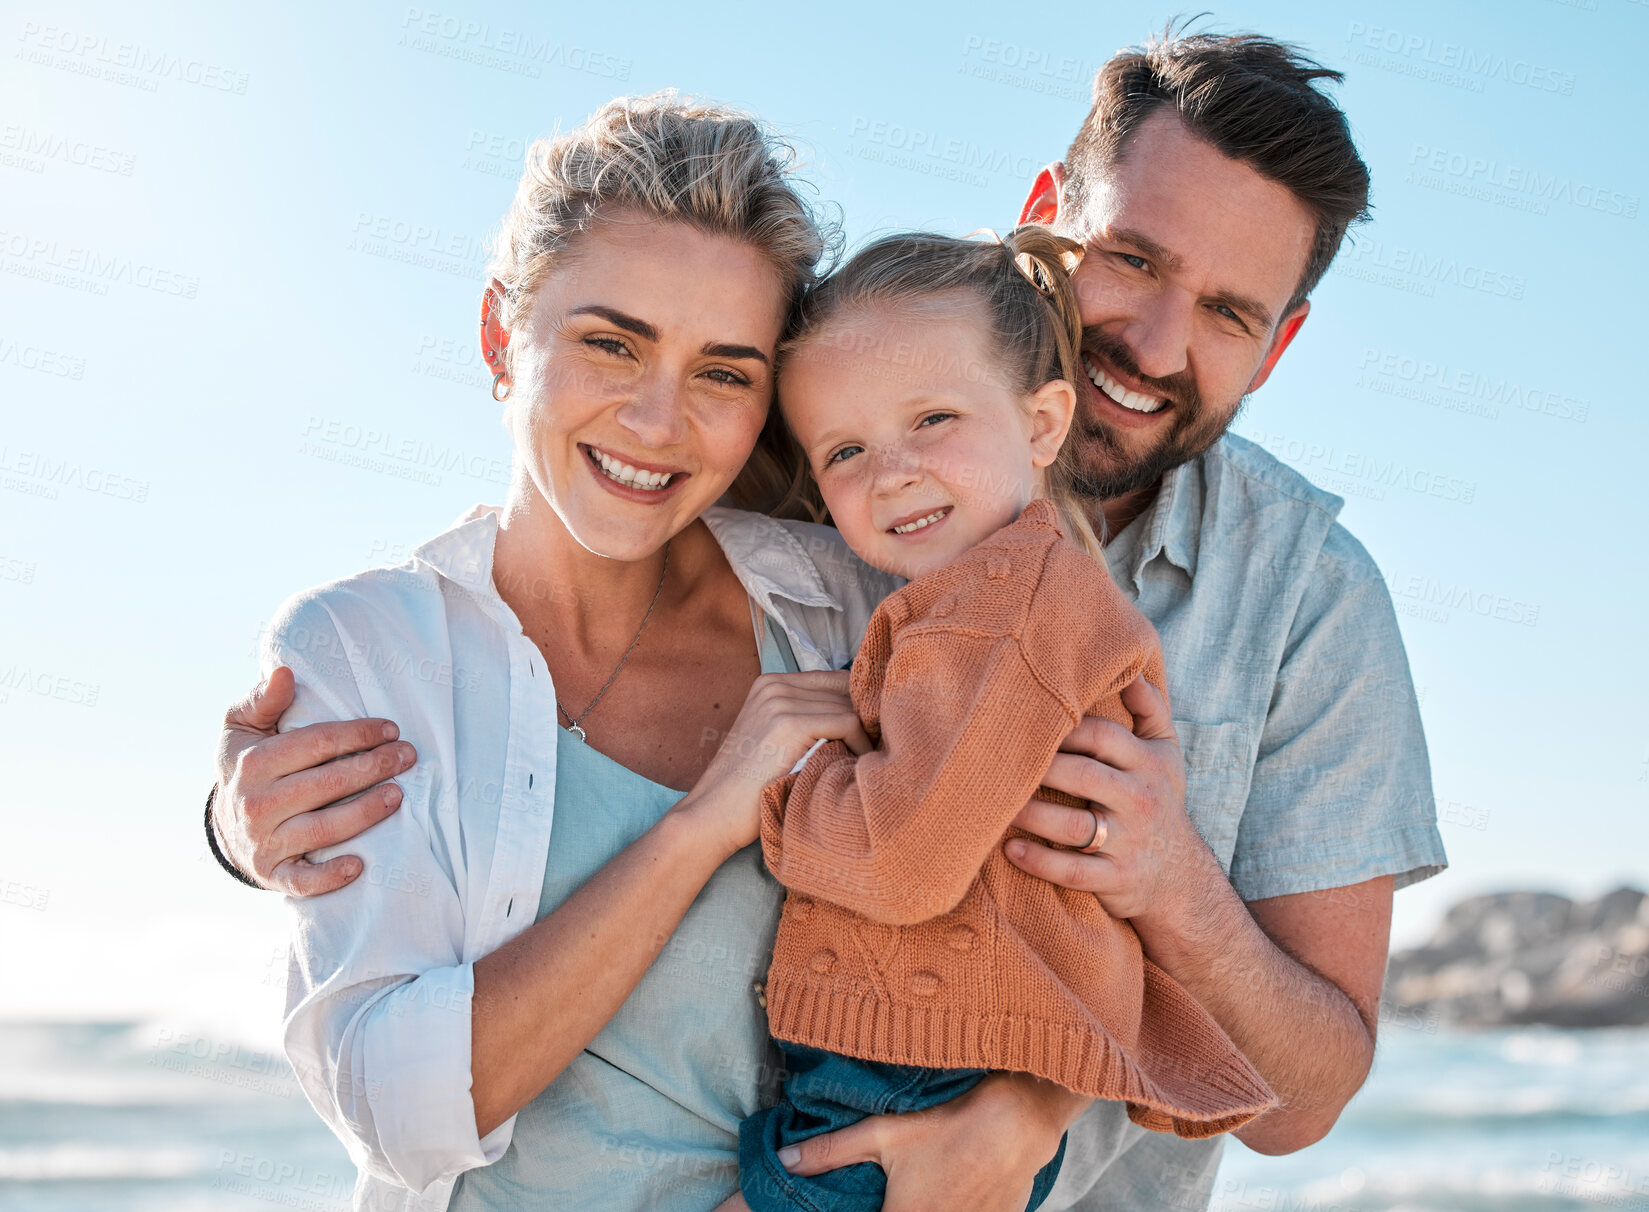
(495, 335)
(1051, 408)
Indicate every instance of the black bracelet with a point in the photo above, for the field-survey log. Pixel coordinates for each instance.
(212, 842)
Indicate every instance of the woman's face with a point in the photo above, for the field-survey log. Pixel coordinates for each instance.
(641, 379)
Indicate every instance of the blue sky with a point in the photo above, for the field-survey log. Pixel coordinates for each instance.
(239, 266)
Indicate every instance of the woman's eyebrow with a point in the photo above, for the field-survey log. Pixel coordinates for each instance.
(623, 320)
(647, 332)
(720, 350)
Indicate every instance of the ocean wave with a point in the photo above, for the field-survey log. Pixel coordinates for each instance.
(82, 1161)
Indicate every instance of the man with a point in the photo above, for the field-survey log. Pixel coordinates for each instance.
(1255, 841)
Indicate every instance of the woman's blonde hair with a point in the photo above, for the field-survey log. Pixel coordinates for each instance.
(1024, 282)
(694, 162)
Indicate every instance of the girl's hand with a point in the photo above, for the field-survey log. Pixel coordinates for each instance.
(784, 714)
(980, 1151)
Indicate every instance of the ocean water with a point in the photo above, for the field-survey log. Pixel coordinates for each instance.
(138, 1116)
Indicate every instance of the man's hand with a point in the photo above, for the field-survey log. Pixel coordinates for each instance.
(1294, 980)
(1151, 860)
(274, 789)
(980, 1151)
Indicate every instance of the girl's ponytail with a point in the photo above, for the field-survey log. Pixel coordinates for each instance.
(1047, 261)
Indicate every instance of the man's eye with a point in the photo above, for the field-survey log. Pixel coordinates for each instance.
(846, 452)
(1135, 261)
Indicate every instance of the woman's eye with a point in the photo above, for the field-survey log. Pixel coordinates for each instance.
(610, 345)
(846, 452)
(731, 378)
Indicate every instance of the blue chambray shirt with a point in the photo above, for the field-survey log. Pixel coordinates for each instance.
(1306, 766)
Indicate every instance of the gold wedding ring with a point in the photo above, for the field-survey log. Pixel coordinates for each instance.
(1100, 830)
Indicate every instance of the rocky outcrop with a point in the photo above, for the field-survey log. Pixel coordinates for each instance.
(1530, 957)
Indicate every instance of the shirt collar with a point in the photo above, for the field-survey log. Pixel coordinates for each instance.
(463, 552)
(768, 559)
(1173, 522)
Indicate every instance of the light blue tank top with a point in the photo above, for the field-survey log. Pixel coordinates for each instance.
(647, 1116)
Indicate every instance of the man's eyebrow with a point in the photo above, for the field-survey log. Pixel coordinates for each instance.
(720, 350)
(648, 332)
(1236, 301)
(1253, 308)
(1169, 261)
(623, 320)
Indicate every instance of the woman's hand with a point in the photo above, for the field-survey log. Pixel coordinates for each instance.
(274, 789)
(783, 715)
(980, 1151)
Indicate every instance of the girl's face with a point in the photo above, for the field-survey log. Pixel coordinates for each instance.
(920, 445)
(641, 379)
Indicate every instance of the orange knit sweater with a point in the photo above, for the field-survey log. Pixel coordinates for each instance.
(907, 936)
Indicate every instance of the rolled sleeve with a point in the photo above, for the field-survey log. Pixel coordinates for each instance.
(1341, 789)
(378, 995)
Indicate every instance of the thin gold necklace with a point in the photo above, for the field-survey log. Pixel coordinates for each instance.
(573, 725)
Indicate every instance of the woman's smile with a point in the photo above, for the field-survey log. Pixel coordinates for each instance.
(632, 479)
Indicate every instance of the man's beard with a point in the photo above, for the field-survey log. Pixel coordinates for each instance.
(1195, 427)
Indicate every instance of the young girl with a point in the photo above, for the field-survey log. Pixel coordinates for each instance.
(930, 385)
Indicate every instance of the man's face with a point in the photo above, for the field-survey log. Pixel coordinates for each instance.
(1191, 258)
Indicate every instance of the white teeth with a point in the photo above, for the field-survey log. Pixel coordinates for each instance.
(1128, 399)
(920, 522)
(632, 477)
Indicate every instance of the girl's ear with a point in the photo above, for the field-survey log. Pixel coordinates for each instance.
(1051, 408)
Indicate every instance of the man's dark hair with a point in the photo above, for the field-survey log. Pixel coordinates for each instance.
(1255, 100)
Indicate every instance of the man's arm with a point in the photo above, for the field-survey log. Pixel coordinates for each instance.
(1295, 981)
(1300, 1004)
(1339, 814)
(281, 795)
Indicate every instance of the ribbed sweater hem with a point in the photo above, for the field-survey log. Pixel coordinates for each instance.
(1189, 1100)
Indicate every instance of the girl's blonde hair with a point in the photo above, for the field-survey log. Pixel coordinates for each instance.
(1024, 282)
(716, 168)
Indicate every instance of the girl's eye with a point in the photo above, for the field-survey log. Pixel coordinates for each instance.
(844, 453)
(934, 416)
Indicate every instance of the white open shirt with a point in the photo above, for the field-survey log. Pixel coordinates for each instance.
(381, 971)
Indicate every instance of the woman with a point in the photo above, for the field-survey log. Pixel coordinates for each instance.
(543, 983)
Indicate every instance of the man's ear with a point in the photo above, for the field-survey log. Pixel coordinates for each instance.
(1051, 407)
(1286, 331)
(1042, 203)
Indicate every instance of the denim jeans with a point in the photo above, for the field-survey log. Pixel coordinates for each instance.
(824, 1091)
